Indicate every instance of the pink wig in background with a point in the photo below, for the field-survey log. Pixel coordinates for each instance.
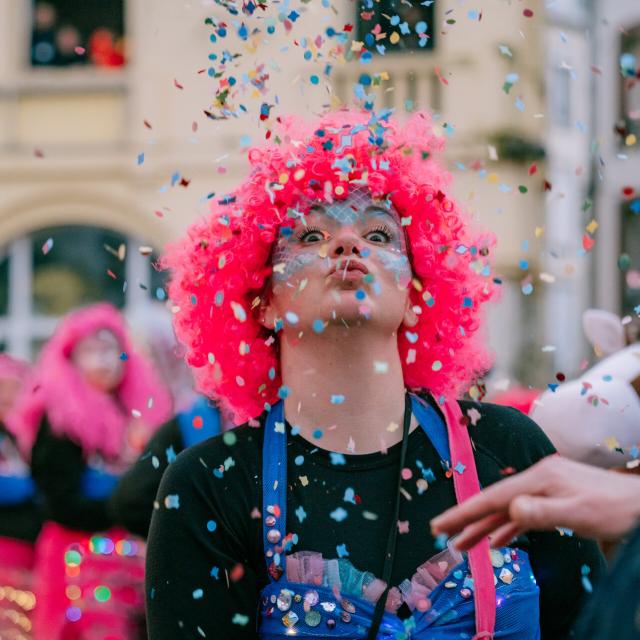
(13, 368)
(94, 420)
(221, 268)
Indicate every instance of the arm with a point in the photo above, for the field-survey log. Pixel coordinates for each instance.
(199, 582)
(57, 465)
(132, 501)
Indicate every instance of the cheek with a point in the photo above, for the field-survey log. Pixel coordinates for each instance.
(396, 264)
(288, 263)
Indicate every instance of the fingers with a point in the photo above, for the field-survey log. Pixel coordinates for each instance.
(476, 531)
(544, 513)
(504, 534)
(493, 499)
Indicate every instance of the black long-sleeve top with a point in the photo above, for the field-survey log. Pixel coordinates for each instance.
(21, 521)
(203, 579)
(57, 464)
(132, 501)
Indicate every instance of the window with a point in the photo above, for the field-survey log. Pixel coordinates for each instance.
(629, 260)
(51, 271)
(396, 25)
(77, 32)
(630, 85)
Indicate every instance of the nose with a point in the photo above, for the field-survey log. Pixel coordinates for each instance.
(345, 243)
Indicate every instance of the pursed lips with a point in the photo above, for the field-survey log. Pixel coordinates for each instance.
(349, 265)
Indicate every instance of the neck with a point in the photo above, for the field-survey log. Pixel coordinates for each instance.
(348, 383)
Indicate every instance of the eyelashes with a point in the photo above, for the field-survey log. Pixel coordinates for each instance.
(382, 229)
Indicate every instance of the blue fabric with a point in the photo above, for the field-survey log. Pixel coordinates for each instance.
(210, 422)
(452, 612)
(97, 484)
(16, 490)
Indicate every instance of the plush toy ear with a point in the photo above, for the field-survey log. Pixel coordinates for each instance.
(604, 331)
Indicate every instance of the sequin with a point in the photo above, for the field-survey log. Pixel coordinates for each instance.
(345, 616)
(348, 606)
(450, 585)
(329, 607)
(506, 576)
(273, 536)
(284, 599)
(270, 521)
(311, 597)
(465, 593)
(497, 559)
(331, 623)
(312, 618)
(289, 619)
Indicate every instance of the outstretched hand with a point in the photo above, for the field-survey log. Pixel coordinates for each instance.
(555, 492)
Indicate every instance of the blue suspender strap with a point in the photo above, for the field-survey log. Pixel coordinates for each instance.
(433, 426)
(274, 491)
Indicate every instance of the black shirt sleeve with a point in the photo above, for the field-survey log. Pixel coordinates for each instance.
(199, 579)
(559, 559)
(57, 464)
(132, 501)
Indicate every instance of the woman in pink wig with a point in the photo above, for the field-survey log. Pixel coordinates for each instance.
(333, 302)
(20, 518)
(93, 404)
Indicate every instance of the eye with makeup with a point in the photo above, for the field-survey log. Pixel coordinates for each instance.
(310, 235)
(381, 234)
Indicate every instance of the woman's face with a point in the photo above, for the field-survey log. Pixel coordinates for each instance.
(9, 389)
(342, 263)
(97, 359)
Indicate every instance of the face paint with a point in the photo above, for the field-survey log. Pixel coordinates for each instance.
(377, 223)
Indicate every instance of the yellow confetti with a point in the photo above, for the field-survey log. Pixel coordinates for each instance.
(630, 140)
(539, 232)
(592, 226)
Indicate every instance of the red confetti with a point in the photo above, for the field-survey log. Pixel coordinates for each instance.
(111, 274)
(533, 169)
(236, 573)
(547, 185)
(527, 13)
(147, 124)
(38, 153)
(347, 27)
(443, 80)
(507, 471)
(588, 242)
(184, 182)
(159, 214)
(627, 192)
(177, 85)
(197, 422)
(560, 377)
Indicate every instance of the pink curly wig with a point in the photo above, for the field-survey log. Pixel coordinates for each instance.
(91, 418)
(221, 268)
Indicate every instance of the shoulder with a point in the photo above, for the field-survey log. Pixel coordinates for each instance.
(235, 453)
(506, 434)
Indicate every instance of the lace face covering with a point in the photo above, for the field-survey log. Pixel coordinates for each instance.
(377, 234)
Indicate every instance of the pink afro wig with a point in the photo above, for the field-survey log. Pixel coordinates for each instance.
(219, 271)
(91, 418)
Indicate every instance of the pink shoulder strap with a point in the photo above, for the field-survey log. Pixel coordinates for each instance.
(466, 485)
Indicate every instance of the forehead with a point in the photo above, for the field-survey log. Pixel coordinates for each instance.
(100, 338)
(356, 207)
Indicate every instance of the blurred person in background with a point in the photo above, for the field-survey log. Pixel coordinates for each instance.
(20, 518)
(196, 419)
(93, 404)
